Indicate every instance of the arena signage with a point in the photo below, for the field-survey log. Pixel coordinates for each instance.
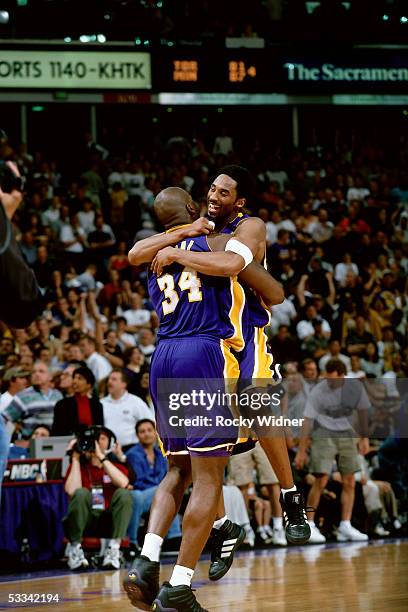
(75, 70)
(331, 72)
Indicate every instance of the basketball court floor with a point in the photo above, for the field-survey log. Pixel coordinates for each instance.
(338, 577)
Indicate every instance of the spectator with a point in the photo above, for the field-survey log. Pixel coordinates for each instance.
(15, 380)
(329, 404)
(334, 352)
(150, 468)
(147, 343)
(122, 410)
(21, 449)
(34, 405)
(136, 317)
(82, 409)
(359, 338)
(305, 328)
(99, 501)
(100, 366)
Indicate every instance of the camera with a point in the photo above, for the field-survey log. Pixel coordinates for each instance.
(86, 440)
(86, 437)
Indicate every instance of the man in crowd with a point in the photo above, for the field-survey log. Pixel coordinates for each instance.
(122, 410)
(34, 405)
(331, 405)
(96, 362)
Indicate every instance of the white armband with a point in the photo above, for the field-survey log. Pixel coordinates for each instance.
(239, 248)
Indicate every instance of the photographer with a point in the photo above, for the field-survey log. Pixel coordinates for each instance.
(100, 502)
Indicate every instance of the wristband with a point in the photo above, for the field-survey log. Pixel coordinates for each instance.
(239, 248)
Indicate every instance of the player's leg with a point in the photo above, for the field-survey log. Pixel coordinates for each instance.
(208, 477)
(255, 366)
(143, 580)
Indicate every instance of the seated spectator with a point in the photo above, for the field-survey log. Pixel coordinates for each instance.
(113, 352)
(122, 410)
(34, 405)
(147, 343)
(80, 409)
(305, 328)
(323, 228)
(126, 340)
(96, 362)
(341, 270)
(21, 449)
(358, 338)
(14, 380)
(100, 503)
(241, 468)
(380, 502)
(86, 216)
(316, 345)
(370, 362)
(355, 369)
(136, 317)
(150, 467)
(334, 353)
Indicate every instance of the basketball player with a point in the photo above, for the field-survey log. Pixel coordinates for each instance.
(208, 311)
(226, 198)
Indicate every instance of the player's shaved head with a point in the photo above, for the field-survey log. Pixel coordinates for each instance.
(174, 206)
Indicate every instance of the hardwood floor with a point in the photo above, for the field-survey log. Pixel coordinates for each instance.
(345, 578)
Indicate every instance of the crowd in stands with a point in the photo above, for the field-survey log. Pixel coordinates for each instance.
(337, 235)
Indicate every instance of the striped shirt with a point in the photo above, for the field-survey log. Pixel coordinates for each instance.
(33, 408)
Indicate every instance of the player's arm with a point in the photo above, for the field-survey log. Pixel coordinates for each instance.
(145, 250)
(222, 263)
(266, 287)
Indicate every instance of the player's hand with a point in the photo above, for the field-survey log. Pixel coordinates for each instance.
(163, 258)
(199, 227)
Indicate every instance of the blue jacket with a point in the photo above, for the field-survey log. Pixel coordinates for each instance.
(147, 476)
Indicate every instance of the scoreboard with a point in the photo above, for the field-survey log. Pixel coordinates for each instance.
(280, 70)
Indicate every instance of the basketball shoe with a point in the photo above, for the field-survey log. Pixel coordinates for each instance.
(142, 582)
(224, 542)
(176, 599)
(294, 517)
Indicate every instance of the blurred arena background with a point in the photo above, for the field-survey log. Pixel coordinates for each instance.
(104, 103)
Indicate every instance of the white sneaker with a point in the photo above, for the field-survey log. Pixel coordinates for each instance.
(250, 536)
(266, 539)
(76, 557)
(380, 531)
(279, 536)
(315, 536)
(347, 533)
(112, 557)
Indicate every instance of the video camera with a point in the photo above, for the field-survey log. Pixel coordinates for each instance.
(86, 437)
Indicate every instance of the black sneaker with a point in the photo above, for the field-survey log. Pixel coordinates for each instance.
(176, 599)
(224, 543)
(294, 517)
(142, 582)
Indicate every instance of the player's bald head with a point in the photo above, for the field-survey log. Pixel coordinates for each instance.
(173, 206)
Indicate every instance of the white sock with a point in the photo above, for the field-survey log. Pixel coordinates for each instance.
(345, 524)
(218, 524)
(277, 522)
(311, 522)
(152, 546)
(284, 491)
(181, 575)
(114, 543)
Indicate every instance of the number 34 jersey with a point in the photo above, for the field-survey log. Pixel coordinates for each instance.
(189, 303)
